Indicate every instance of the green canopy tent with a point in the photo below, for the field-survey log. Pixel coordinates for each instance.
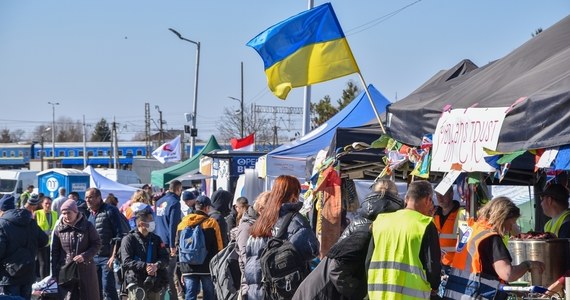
(161, 177)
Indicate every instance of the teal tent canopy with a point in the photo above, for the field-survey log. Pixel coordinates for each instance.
(161, 177)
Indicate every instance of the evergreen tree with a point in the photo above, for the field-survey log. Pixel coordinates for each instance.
(5, 136)
(102, 132)
(323, 110)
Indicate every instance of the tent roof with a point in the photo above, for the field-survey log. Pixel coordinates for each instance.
(354, 114)
(538, 70)
(105, 185)
(161, 177)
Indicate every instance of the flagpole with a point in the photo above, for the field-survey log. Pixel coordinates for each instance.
(372, 103)
(307, 96)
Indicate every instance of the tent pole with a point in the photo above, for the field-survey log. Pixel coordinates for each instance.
(372, 103)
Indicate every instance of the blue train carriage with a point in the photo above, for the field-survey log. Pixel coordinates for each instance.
(70, 155)
(14, 155)
(72, 180)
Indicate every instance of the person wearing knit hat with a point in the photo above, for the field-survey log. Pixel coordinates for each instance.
(32, 204)
(74, 226)
(20, 240)
(197, 276)
(69, 204)
(6, 203)
(187, 202)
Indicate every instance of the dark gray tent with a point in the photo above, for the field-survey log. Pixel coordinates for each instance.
(369, 161)
(538, 70)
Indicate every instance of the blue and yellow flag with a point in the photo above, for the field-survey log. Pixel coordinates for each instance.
(305, 49)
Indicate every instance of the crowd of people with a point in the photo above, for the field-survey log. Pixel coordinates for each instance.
(393, 249)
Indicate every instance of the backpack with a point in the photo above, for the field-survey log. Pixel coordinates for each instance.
(123, 226)
(193, 244)
(225, 272)
(282, 268)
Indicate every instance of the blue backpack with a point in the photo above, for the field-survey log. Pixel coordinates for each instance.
(192, 245)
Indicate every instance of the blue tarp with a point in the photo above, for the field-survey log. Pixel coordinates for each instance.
(292, 158)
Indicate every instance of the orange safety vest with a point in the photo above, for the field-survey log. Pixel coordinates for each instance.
(448, 234)
(465, 280)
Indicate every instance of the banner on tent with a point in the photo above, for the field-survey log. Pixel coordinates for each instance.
(240, 163)
(284, 165)
(460, 136)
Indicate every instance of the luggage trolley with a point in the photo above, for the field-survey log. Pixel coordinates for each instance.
(45, 289)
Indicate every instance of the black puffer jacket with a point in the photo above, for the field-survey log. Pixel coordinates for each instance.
(19, 232)
(108, 226)
(341, 274)
(134, 249)
(374, 204)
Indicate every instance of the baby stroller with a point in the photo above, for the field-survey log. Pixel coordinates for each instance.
(46, 289)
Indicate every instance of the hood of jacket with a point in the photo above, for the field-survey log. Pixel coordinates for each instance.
(250, 215)
(193, 218)
(377, 203)
(221, 201)
(18, 217)
(289, 207)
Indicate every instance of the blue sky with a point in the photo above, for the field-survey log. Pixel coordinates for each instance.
(107, 58)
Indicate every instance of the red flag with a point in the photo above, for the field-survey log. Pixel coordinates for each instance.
(245, 144)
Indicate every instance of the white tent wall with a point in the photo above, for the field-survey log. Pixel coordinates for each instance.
(107, 186)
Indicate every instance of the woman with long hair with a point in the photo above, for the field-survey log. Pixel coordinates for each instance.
(482, 259)
(284, 199)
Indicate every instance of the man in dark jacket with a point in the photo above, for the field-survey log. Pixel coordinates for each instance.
(145, 259)
(221, 202)
(194, 275)
(374, 204)
(105, 217)
(168, 215)
(342, 274)
(20, 239)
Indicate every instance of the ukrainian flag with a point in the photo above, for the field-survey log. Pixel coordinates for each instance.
(305, 49)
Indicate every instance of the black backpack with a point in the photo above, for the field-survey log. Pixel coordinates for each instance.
(225, 272)
(282, 268)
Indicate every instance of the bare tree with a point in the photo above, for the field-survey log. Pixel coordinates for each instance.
(69, 130)
(41, 130)
(230, 125)
(17, 135)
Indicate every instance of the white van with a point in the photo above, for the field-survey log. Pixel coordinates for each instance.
(120, 176)
(16, 181)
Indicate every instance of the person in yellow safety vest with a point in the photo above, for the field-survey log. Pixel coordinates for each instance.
(447, 218)
(554, 203)
(46, 219)
(482, 262)
(403, 261)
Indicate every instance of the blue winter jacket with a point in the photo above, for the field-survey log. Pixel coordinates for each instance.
(299, 233)
(168, 215)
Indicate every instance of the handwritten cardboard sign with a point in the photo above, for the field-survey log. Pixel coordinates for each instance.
(461, 135)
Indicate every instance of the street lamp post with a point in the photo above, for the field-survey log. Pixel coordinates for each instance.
(53, 104)
(241, 114)
(42, 138)
(194, 130)
(240, 101)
